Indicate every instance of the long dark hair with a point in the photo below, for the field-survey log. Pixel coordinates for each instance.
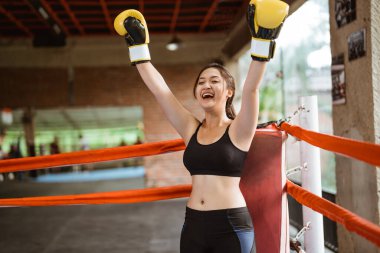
(230, 111)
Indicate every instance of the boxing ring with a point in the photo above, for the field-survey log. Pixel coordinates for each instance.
(263, 182)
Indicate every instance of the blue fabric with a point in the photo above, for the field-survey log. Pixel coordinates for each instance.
(96, 175)
(246, 239)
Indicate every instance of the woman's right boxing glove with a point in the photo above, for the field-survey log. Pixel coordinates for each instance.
(131, 24)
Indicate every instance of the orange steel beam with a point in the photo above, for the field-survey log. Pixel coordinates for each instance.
(39, 27)
(191, 18)
(34, 27)
(96, 26)
(220, 22)
(38, 15)
(16, 21)
(182, 24)
(155, 11)
(209, 14)
(158, 18)
(78, 3)
(82, 12)
(175, 16)
(107, 15)
(184, 10)
(153, 25)
(54, 16)
(90, 19)
(72, 16)
(93, 3)
(120, 2)
(141, 6)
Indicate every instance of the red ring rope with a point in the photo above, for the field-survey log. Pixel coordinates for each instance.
(364, 151)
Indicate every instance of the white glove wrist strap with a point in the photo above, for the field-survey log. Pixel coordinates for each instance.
(139, 53)
(260, 48)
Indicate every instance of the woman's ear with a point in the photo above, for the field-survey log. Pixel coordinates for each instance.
(230, 93)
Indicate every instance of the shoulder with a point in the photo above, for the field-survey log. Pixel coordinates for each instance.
(238, 138)
(191, 129)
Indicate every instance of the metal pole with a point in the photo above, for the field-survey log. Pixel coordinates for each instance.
(311, 178)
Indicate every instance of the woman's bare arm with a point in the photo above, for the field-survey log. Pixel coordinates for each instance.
(245, 123)
(180, 118)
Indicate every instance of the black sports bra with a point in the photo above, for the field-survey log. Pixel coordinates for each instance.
(220, 158)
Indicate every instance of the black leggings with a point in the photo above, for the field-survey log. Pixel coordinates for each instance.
(219, 231)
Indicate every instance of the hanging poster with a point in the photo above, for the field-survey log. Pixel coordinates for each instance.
(345, 12)
(356, 45)
(338, 80)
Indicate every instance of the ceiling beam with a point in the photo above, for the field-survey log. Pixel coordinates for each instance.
(33, 27)
(184, 10)
(237, 39)
(107, 15)
(141, 6)
(16, 21)
(72, 16)
(175, 16)
(240, 35)
(101, 25)
(38, 15)
(54, 16)
(294, 5)
(209, 14)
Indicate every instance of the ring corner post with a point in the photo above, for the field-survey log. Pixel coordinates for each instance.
(311, 178)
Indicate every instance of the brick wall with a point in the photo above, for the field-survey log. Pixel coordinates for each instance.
(108, 86)
(20, 87)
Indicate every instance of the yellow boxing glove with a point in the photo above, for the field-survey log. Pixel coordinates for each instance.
(265, 19)
(131, 24)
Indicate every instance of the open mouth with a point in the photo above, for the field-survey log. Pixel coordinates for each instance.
(207, 95)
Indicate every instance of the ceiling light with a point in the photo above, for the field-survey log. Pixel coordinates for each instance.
(174, 44)
(56, 29)
(43, 12)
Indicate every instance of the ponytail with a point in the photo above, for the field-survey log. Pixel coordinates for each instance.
(230, 110)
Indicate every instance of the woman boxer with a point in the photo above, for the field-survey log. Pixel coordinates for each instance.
(217, 219)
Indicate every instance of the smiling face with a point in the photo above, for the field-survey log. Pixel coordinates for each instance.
(211, 89)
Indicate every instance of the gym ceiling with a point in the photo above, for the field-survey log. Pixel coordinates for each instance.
(51, 21)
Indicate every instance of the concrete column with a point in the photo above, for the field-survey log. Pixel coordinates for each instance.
(375, 43)
(358, 183)
(28, 124)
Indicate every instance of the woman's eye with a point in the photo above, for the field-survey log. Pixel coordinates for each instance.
(201, 83)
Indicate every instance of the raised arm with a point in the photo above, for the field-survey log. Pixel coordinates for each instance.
(246, 119)
(131, 24)
(180, 118)
(265, 19)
